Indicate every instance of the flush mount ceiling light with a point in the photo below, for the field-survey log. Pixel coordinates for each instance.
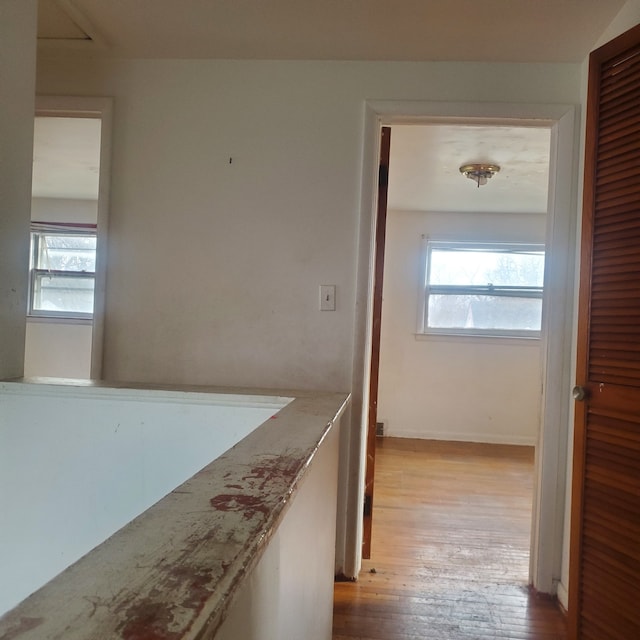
(479, 172)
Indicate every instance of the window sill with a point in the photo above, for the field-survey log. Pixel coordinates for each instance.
(505, 341)
(58, 320)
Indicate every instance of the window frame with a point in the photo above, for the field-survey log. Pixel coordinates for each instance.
(39, 230)
(426, 290)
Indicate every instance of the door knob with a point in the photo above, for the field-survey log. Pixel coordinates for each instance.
(579, 393)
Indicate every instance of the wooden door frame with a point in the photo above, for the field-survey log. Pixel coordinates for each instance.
(551, 459)
(376, 324)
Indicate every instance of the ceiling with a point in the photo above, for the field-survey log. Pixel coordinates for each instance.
(460, 30)
(425, 160)
(66, 158)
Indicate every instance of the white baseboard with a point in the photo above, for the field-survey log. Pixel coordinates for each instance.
(488, 438)
(563, 595)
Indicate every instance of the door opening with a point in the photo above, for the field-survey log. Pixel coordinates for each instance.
(460, 353)
(556, 326)
(68, 238)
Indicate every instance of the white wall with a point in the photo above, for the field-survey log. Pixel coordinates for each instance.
(64, 210)
(79, 463)
(57, 349)
(289, 594)
(628, 17)
(443, 387)
(214, 267)
(249, 242)
(17, 79)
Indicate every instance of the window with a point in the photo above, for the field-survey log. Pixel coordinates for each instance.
(62, 276)
(483, 289)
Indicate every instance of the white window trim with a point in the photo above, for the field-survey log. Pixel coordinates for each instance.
(423, 332)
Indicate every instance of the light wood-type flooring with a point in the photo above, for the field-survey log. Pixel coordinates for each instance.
(450, 548)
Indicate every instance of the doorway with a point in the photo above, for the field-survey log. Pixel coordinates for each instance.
(68, 238)
(460, 350)
(549, 496)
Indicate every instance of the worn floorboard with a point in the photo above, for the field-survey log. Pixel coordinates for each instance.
(450, 548)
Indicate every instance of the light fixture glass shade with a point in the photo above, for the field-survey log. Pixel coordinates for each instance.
(479, 173)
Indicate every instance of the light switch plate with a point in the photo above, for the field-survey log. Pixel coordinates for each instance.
(327, 297)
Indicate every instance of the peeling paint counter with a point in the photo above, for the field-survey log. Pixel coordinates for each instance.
(173, 572)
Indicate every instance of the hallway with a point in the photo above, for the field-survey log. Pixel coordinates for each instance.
(450, 548)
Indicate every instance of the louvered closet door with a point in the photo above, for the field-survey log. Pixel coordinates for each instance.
(605, 548)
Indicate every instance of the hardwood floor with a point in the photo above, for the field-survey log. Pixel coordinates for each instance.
(450, 548)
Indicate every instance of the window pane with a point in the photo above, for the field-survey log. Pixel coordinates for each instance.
(484, 312)
(63, 294)
(67, 253)
(482, 267)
